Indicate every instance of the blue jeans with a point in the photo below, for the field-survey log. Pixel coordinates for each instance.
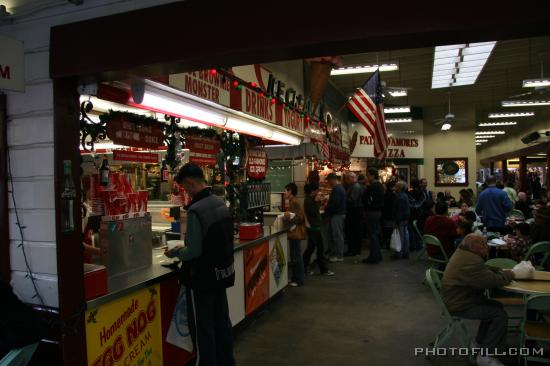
(373, 234)
(403, 227)
(336, 235)
(298, 273)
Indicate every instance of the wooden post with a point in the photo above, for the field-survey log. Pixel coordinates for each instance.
(504, 171)
(523, 173)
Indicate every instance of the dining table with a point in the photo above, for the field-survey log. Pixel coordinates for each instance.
(538, 285)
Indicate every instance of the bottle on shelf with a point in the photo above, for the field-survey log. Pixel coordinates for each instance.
(68, 196)
(104, 172)
(164, 172)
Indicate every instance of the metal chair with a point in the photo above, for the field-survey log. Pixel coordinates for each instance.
(454, 323)
(504, 263)
(20, 356)
(536, 330)
(516, 213)
(542, 247)
(430, 240)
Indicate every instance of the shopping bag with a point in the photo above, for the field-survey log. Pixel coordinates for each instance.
(178, 333)
(395, 241)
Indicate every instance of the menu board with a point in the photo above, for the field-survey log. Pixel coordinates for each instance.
(279, 174)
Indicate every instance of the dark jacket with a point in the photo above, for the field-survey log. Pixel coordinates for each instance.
(214, 267)
(389, 205)
(402, 210)
(373, 197)
(465, 279)
(311, 210)
(336, 204)
(540, 232)
(354, 195)
(523, 206)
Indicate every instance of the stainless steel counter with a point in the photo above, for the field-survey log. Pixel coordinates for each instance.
(127, 283)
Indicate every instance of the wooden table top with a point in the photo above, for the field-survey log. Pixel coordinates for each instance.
(540, 284)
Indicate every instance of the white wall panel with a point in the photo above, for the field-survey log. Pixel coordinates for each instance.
(30, 130)
(40, 225)
(32, 162)
(42, 257)
(34, 194)
(35, 98)
(46, 284)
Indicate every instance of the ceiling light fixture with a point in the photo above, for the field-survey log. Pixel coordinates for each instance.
(459, 64)
(348, 70)
(503, 123)
(398, 120)
(398, 93)
(510, 115)
(534, 83)
(446, 127)
(523, 103)
(402, 109)
(490, 133)
(482, 140)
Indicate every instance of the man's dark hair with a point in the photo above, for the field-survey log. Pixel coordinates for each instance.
(373, 172)
(293, 188)
(510, 184)
(310, 187)
(361, 177)
(524, 228)
(470, 216)
(415, 183)
(440, 196)
(490, 180)
(190, 170)
(466, 226)
(441, 208)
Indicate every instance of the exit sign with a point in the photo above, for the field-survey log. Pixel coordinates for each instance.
(12, 64)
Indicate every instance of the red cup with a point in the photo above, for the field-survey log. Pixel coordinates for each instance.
(143, 197)
(108, 201)
(132, 202)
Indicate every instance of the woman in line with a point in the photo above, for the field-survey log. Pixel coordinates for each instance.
(296, 235)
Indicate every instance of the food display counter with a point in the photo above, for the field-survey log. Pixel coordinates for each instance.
(130, 322)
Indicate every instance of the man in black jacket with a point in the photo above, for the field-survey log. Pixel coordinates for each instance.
(373, 202)
(207, 269)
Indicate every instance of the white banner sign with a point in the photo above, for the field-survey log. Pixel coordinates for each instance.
(12, 64)
(401, 146)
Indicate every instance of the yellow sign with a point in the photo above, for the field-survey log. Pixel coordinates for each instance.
(127, 331)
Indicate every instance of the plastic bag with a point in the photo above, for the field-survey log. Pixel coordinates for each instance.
(395, 241)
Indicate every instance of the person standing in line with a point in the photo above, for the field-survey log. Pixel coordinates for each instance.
(207, 269)
(336, 211)
(416, 200)
(387, 213)
(296, 235)
(401, 214)
(354, 214)
(493, 205)
(428, 195)
(313, 229)
(373, 202)
(511, 192)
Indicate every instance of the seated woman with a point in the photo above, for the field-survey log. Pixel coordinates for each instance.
(443, 228)
(519, 244)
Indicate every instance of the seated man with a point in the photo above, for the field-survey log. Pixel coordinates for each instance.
(463, 291)
(443, 228)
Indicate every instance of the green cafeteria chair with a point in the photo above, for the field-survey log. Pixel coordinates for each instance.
(503, 263)
(516, 213)
(432, 241)
(422, 251)
(536, 331)
(20, 356)
(542, 247)
(454, 323)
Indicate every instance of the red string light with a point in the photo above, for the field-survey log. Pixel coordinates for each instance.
(235, 83)
(273, 100)
(213, 72)
(253, 84)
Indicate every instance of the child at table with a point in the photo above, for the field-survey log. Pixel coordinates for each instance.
(519, 244)
(464, 227)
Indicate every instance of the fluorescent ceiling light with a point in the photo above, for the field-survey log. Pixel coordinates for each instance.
(398, 120)
(478, 143)
(503, 123)
(240, 125)
(523, 103)
(490, 132)
(482, 140)
(488, 136)
(541, 154)
(404, 109)
(107, 146)
(510, 115)
(103, 106)
(286, 138)
(533, 83)
(461, 64)
(446, 127)
(364, 69)
(398, 93)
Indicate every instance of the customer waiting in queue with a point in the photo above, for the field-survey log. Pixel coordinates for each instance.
(296, 235)
(443, 228)
(387, 213)
(312, 204)
(207, 269)
(401, 213)
(373, 202)
(354, 214)
(493, 206)
(463, 291)
(336, 211)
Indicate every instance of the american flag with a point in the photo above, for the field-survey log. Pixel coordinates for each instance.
(367, 105)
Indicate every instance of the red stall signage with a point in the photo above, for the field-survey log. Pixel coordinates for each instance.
(256, 164)
(256, 276)
(202, 145)
(140, 157)
(123, 132)
(202, 161)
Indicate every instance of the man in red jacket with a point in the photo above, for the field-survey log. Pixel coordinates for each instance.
(443, 228)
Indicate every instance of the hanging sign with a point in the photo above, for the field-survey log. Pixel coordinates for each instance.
(202, 145)
(138, 157)
(126, 331)
(256, 276)
(202, 161)
(339, 154)
(123, 132)
(256, 164)
(204, 84)
(12, 64)
(400, 145)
